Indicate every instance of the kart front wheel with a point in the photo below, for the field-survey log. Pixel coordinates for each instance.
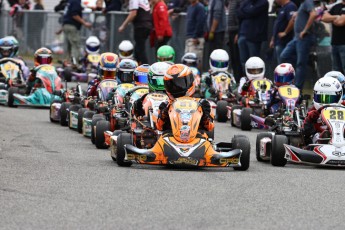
(95, 119)
(11, 91)
(259, 137)
(278, 150)
(222, 111)
(64, 113)
(101, 127)
(122, 139)
(72, 108)
(81, 112)
(246, 119)
(232, 114)
(243, 143)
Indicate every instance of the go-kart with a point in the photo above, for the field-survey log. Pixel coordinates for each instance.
(254, 109)
(220, 93)
(184, 144)
(10, 76)
(324, 151)
(286, 121)
(116, 114)
(142, 130)
(42, 93)
(68, 97)
(82, 74)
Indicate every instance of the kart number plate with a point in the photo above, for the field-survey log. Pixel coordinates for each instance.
(47, 68)
(289, 92)
(142, 91)
(108, 84)
(93, 57)
(185, 105)
(257, 84)
(332, 114)
(127, 86)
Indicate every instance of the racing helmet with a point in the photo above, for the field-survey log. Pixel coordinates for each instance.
(327, 90)
(255, 68)
(190, 59)
(43, 56)
(92, 45)
(337, 75)
(156, 76)
(125, 71)
(126, 49)
(284, 74)
(179, 81)
(6, 48)
(140, 75)
(219, 60)
(15, 44)
(107, 66)
(166, 53)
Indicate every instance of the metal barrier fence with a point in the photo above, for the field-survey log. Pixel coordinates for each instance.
(35, 29)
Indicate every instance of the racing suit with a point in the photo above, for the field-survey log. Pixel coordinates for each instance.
(206, 123)
(313, 125)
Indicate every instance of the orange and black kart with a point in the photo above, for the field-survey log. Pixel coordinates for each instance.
(184, 144)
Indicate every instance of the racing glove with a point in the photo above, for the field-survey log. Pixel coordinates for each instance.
(138, 107)
(164, 110)
(246, 85)
(313, 116)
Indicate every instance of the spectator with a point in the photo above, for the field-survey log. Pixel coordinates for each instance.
(18, 17)
(336, 16)
(110, 5)
(195, 21)
(37, 19)
(162, 31)
(297, 50)
(233, 25)
(139, 14)
(282, 33)
(216, 24)
(253, 16)
(72, 23)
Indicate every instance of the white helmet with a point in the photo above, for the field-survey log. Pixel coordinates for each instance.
(219, 60)
(92, 44)
(255, 68)
(327, 90)
(337, 75)
(126, 49)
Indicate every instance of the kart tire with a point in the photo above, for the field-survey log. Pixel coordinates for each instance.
(222, 111)
(246, 119)
(81, 112)
(122, 139)
(101, 127)
(278, 150)
(72, 108)
(64, 113)
(95, 119)
(243, 143)
(50, 111)
(11, 91)
(258, 139)
(232, 114)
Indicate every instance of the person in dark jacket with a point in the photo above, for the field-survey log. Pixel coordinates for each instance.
(216, 24)
(253, 16)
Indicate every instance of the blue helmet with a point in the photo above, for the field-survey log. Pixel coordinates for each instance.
(6, 48)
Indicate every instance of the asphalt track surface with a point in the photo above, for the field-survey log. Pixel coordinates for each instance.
(54, 178)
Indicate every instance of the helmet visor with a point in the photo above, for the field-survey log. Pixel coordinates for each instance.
(126, 53)
(157, 81)
(44, 59)
(255, 71)
(6, 50)
(322, 98)
(125, 77)
(179, 86)
(92, 48)
(219, 64)
(141, 77)
(287, 78)
(107, 74)
(170, 58)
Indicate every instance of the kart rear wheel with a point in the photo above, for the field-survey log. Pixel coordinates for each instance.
(95, 119)
(81, 112)
(232, 114)
(101, 127)
(246, 119)
(64, 113)
(243, 143)
(222, 111)
(72, 108)
(278, 150)
(50, 110)
(11, 91)
(122, 139)
(259, 137)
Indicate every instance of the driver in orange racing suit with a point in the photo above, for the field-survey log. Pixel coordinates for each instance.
(179, 82)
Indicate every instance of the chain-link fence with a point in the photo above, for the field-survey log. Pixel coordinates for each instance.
(40, 28)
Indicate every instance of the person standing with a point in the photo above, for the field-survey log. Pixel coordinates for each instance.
(233, 25)
(162, 31)
(72, 23)
(282, 32)
(336, 16)
(38, 20)
(216, 24)
(139, 14)
(195, 21)
(298, 49)
(253, 16)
